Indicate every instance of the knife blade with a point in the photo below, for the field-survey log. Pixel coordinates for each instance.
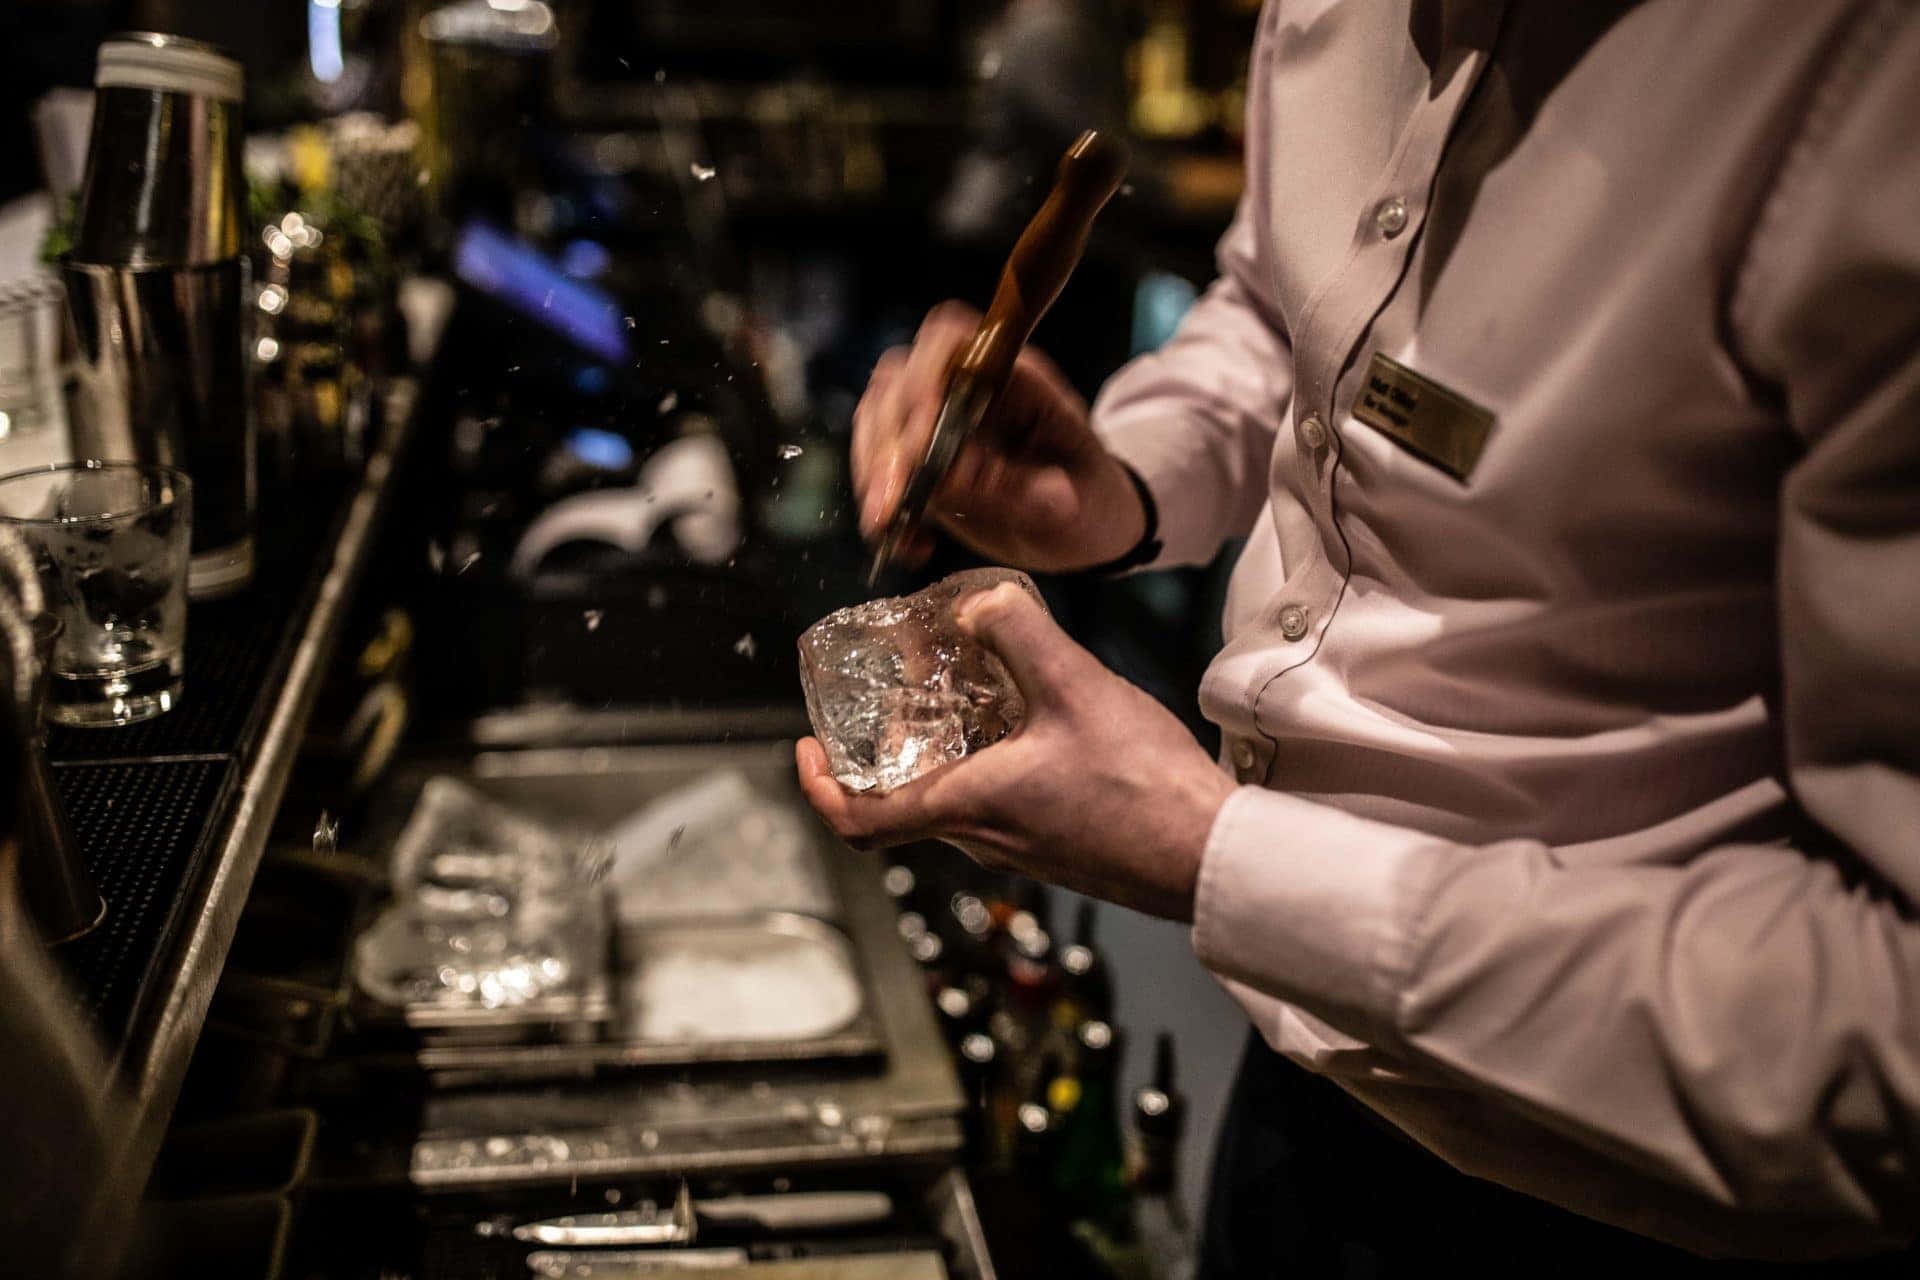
(1035, 272)
(683, 1221)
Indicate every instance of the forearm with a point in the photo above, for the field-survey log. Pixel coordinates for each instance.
(1741, 1027)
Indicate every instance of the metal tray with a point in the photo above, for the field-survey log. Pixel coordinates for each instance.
(597, 788)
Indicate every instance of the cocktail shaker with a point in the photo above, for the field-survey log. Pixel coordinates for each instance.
(53, 880)
(159, 292)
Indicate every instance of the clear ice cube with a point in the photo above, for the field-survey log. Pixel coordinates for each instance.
(895, 689)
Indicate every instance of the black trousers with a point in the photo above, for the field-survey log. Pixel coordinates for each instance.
(1308, 1185)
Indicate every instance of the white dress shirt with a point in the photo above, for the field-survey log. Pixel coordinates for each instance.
(1581, 823)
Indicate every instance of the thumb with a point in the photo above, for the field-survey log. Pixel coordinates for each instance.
(1016, 627)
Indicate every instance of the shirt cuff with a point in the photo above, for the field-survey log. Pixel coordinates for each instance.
(1312, 905)
(1140, 442)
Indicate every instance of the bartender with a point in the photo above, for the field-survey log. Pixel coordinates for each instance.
(1562, 375)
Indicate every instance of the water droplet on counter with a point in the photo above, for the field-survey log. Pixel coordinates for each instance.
(701, 172)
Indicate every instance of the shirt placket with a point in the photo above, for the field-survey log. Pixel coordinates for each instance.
(1324, 348)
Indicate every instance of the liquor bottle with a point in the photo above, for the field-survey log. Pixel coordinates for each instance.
(1037, 1133)
(1086, 985)
(1159, 1120)
(979, 1071)
(1090, 1173)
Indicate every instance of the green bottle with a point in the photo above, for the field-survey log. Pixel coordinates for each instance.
(1090, 1164)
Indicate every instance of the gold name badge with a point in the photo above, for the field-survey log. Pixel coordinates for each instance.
(1442, 426)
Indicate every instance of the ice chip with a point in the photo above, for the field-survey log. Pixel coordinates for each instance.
(895, 689)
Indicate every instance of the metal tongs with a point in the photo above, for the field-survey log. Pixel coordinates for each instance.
(1037, 269)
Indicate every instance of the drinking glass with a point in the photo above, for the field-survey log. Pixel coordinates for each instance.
(110, 542)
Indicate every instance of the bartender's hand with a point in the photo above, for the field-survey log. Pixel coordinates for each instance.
(1032, 486)
(1100, 789)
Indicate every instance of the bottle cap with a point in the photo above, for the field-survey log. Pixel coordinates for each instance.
(927, 948)
(1033, 945)
(899, 881)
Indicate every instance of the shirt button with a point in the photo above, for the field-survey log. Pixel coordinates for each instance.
(1313, 433)
(1293, 622)
(1243, 756)
(1391, 216)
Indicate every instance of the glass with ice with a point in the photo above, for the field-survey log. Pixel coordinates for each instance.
(110, 542)
(895, 689)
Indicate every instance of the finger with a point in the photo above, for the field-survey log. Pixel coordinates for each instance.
(1011, 622)
(965, 482)
(865, 821)
(900, 421)
(868, 415)
(895, 461)
(947, 323)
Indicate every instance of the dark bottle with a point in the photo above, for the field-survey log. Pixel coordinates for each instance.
(1159, 1121)
(1036, 1133)
(979, 1072)
(972, 934)
(1086, 985)
(1032, 983)
(1090, 1173)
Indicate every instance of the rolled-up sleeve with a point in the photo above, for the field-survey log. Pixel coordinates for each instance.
(1196, 419)
(1745, 1026)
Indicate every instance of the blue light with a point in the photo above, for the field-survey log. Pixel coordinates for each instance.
(323, 40)
(591, 380)
(518, 275)
(585, 259)
(602, 449)
(1159, 304)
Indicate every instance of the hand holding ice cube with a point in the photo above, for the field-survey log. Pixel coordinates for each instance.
(1099, 788)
